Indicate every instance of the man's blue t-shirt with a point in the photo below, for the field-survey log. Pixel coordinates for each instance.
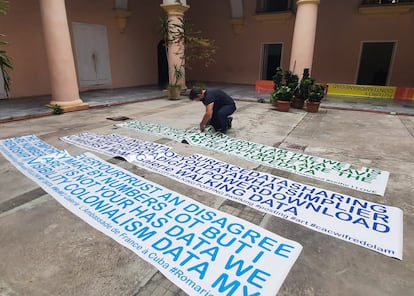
(219, 97)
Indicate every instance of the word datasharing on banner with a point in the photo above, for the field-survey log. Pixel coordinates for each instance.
(368, 224)
(363, 179)
(200, 249)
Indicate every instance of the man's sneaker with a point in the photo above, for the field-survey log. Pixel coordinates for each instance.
(230, 120)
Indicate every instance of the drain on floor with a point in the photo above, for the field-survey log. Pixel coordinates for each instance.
(118, 118)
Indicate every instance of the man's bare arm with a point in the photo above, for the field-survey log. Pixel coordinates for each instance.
(207, 116)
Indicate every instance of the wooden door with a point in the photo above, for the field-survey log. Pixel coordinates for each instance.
(92, 54)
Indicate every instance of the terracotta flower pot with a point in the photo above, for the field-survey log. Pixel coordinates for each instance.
(312, 107)
(297, 103)
(283, 106)
(173, 92)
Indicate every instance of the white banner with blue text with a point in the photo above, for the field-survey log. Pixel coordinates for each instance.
(363, 179)
(368, 224)
(202, 250)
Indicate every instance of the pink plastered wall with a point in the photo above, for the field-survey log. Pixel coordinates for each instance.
(339, 36)
(23, 29)
(133, 54)
(239, 56)
(340, 32)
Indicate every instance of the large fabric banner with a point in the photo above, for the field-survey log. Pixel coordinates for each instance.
(371, 225)
(363, 179)
(202, 250)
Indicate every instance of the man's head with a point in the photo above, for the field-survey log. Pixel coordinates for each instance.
(195, 93)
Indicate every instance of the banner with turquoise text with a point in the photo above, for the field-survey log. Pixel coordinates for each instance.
(368, 224)
(202, 250)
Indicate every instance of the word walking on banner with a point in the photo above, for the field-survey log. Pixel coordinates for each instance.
(364, 179)
(371, 225)
(202, 250)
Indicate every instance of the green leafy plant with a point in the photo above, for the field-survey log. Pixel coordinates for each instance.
(5, 60)
(278, 78)
(291, 80)
(316, 92)
(57, 109)
(195, 47)
(304, 85)
(283, 93)
(285, 85)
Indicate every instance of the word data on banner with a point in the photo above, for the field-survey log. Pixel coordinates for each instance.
(367, 180)
(371, 225)
(202, 250)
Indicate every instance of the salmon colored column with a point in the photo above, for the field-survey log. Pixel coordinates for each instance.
(176, 54)
(304, 36)
(61, 64)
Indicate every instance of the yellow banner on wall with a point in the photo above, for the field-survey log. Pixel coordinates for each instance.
(373, 91)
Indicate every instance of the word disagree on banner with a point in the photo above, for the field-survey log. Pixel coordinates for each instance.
(202, 250)
(368, 224)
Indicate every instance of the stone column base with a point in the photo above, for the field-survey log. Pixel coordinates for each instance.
(69, 106)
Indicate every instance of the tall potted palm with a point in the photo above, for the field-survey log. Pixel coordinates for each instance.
(5, 60)
(173, 33)
(195, 48)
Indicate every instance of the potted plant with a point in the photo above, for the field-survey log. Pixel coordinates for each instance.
(285, 84)
(302, 90)
(194, 48)
(282, 97)
(316, 94)
(174, 89)
(278, 78)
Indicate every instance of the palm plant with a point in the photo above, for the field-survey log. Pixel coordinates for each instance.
(196, 47)
(5, 60)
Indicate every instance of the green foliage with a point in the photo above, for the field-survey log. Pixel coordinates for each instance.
(291, 79)
(305, 82)
(178, 73)
(4, 7)
(277, 78)
(5, 60)
(196, 47)
(57, 109)
(316, 93)
(285, 85)
(283, 93)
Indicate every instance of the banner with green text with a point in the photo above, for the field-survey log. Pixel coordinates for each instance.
(363, 179)
(368, 224)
